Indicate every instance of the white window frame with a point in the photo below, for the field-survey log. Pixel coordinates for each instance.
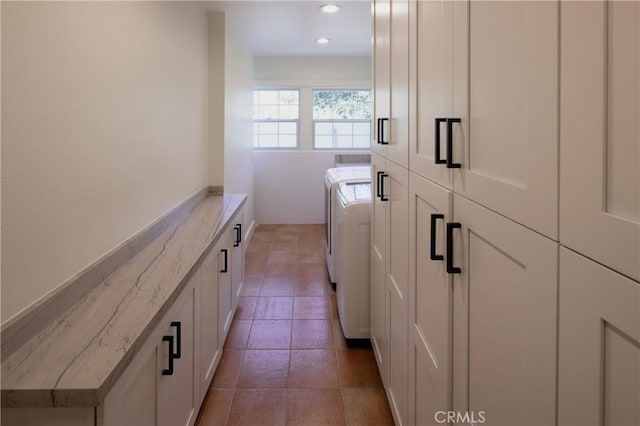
(279, 120)
(348, 120)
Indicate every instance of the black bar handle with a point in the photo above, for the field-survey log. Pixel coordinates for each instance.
(236, 243)
(226, 256)
(379, 180)
(450, 163)
(169, 371)
(434, 218)
(450, 268)
(438, 160)
(178, 327)
(378, 121)
(381, 132)
(382, 197)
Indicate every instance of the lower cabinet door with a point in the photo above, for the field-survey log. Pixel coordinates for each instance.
(237, 275)
(176, 395)
(210, 346)
(430, 303)
(599, 363)
(225, 286)
(505, 319)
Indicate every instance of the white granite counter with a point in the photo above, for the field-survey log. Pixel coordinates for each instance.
(77, 358)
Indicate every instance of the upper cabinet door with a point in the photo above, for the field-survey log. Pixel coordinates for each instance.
(381, 74)
(505, 93)
(434, 83)
(398, 148)
(600, 181)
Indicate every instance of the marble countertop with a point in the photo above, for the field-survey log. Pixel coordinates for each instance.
(77, 358)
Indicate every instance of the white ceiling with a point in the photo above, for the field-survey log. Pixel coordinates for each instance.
(275, 28)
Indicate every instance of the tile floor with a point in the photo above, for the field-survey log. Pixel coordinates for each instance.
(285, 360)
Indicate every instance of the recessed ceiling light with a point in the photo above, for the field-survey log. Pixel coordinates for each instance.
(322, 40)
(330, 8)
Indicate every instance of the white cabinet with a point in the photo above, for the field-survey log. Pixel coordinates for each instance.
(237, 257)
(433, 65)
(391, 79)
(389, 299)
(600, 151)
(177, 401)
(157, 388)
(599, 362)
(209, 344)
(487, 84)
(430, 309)
(381, 73)
(505, 321)
(225, 286)
(379, 305)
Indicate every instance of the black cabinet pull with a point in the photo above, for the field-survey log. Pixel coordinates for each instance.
(450, 268)
(169, 371)
(450, 163)
(238, 229)
(438, 160)
(381, 140)
(382, 197)
(178, 326)
(379, 179)
(378, 121)
(434, 218)
(224, 269)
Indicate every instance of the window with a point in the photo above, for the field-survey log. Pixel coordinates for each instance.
(341, 119)
(275, 118)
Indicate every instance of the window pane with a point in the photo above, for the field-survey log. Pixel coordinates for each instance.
(361, 128)
(267, 112)
(341, 104)
(288, 111)
(269, 97)
(269, 128)
(288, 128)
(288, 97)
(323, 141)
(343, 128)
(256, 127)
(324, 128)
(268, 141)
(343, 141)
(287, 141)
(361, 142)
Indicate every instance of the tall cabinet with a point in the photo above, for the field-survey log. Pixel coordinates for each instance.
(481, 222)
(522, 219)
(599, 357)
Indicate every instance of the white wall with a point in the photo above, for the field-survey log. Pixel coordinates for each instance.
(288, 184)
(238, 117)
(313, 68)
(104, 130)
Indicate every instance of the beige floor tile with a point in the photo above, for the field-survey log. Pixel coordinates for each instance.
(253, 407)
(228, 369)
(246, 307)
(274, 308)
(312, 334)
(366, 406)
(315, 407)
(264, 369)
(215, 408)
(270, 334)
(358, 368)
(310, 307)
(238, 334)
(316, 368)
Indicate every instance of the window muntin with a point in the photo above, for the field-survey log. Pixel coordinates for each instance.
(342, 119)
(275, 118)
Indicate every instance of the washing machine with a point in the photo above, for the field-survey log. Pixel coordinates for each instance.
(353, 218)
(333, 178)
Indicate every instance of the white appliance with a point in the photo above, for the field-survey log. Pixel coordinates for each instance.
(352, 258)
(333, 178)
